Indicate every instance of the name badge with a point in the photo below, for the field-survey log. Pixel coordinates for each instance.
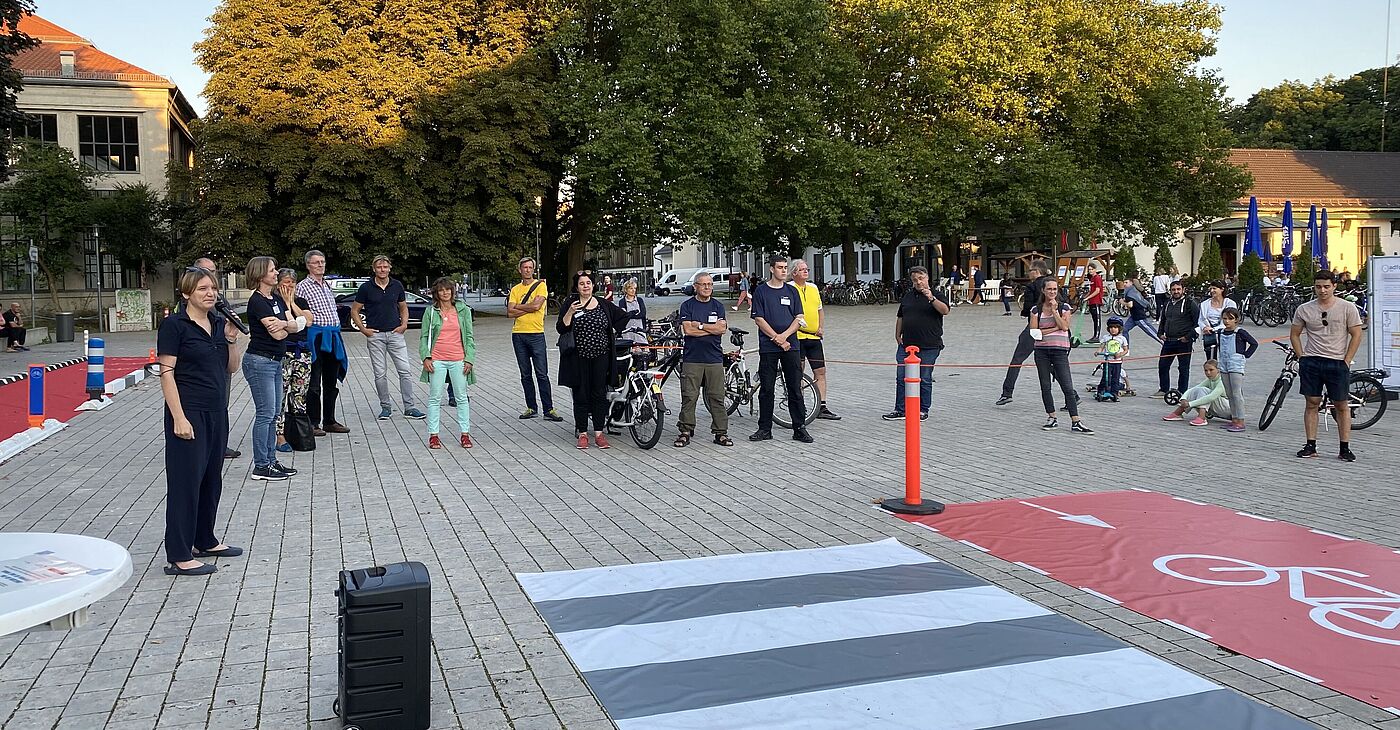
(713, 318)
(786, 301)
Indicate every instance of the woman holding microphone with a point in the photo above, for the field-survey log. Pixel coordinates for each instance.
(198, 352)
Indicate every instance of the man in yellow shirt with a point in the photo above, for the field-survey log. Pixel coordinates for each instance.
(810, 334)
(526, 305)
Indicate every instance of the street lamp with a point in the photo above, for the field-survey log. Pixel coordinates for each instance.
(539, 216)
(97, 240)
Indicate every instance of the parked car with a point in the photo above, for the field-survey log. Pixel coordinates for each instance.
(416, 306)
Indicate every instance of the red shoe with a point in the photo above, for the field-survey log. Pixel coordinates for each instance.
(466, 441)
(602, 441)
(583, 441)
(434, 442)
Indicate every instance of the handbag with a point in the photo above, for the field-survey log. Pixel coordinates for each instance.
(296, 428)
(566, 343)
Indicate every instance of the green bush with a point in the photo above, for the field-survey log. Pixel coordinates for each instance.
(1125, 264)
(1210, 267)
(1162, 259)
(1303, 269)
(1251, 273)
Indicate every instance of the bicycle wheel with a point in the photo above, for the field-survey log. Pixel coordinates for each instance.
(647, 419)
(1367, 401)
(1358, 624)
(1274, 402)
(1219, 569)
(782, 415)
(736, 387)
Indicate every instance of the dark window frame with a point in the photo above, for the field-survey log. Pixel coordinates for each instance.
(110, 144)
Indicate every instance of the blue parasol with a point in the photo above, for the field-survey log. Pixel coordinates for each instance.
(1321, 251)
(1288, 237)
(1313, 235)
(1252, 242)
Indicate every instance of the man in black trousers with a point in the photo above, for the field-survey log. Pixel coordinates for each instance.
(777, 311)
(1025, 345)
(1178, 330)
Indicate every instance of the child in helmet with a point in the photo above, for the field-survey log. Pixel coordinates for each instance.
(1113, 350)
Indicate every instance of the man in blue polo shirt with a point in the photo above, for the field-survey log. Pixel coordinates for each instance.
(380, 313)
(702, 364)
(777, 310)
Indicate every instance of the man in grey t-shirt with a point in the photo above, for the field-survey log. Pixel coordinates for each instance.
(1333, 326)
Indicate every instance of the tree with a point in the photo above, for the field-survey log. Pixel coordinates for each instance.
(12, 41)
(1162, 259)
(1210, 267)
(1327, 114)
(50, 201)
(1251, 273)
(1125, 265)
(135, 227)
(1304, 267)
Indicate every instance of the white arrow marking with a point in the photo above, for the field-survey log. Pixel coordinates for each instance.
(1081, 519)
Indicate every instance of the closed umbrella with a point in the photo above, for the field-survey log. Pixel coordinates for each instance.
(1288, 237)
(1313, 235)
(1252, 244)
(1322, 249)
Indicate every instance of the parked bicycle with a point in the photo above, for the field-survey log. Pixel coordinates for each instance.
(634, 400)
(1365, 395)
(741, 385)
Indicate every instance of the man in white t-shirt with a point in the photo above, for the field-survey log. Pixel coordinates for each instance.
(1333, 326)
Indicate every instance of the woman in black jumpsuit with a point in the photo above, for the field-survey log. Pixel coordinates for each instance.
(198, 351)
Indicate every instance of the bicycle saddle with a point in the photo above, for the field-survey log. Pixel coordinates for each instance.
(738, 331)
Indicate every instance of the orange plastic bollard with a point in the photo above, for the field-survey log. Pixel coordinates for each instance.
(913, 502)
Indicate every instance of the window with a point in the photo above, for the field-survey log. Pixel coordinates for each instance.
(113, 275)
(865, 262)
(1369, 237)
(38, 128)
(109, 144)
(875, 263)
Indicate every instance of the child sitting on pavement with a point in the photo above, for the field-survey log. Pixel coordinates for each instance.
(1207, 397)
(1236, 346)
(1113, 350)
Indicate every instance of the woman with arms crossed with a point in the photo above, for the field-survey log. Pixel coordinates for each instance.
(198, 352)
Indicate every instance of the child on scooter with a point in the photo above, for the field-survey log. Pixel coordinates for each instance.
(1114, 349)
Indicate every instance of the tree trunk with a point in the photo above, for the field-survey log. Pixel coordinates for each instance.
(950, 254)
(849, 264)
(889, 251)
(53, 287)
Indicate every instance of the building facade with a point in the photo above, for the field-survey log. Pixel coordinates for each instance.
(121, 121)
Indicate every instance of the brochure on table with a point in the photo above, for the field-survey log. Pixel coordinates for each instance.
(1384, 279)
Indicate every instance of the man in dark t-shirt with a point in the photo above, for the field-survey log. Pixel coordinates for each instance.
(1025, 345)
(918, 323)
(777, 310)
(380, 313)
(702, 365)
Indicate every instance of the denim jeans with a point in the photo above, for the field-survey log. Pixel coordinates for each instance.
(437, 381)
(384, 346)
(530, 356)
(927, 357)
(1144, 324)
(264, 376)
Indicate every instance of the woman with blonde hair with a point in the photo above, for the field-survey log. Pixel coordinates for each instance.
(269, 324)
(448, 350)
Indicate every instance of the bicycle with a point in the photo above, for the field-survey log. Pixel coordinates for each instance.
(1325, 610)
(635, 403)
(1366, 397)
(740, 386)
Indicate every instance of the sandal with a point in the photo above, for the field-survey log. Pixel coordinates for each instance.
(682, 439)
(723, 439)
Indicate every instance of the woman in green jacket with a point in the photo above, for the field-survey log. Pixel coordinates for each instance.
(448, 350)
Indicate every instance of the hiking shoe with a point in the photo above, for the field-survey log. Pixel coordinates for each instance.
(1198, 421)
(466, 441)
(414, 414)
(1307, 452)
(601, 441)
(385, 414)
(1346, 455)
(761, 435)
(434, 442)
(893, 416)
(826, 414)
(1173, 416)
(1003, 400)
(527, 413)
(800, 434)
(1050, 424)
(1079, 427)
(268, 474)
(289, 471)
(552, 415)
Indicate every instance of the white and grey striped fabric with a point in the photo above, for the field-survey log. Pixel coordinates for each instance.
(861, 636)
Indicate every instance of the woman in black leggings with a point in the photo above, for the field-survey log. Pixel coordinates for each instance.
(588, 368)
(1049, 326)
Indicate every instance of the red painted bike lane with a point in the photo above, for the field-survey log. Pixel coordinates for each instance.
(1315, 604)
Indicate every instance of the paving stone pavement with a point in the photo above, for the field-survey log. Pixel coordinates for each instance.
(254, 645)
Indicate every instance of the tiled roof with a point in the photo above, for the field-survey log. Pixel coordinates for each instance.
(43, 61)
(1321, 177)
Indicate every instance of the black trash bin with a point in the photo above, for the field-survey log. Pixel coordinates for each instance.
(63, 327)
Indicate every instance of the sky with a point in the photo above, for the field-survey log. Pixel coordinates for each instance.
(1261, 43)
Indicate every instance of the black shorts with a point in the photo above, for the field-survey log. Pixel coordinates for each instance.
(1316, 373)
(812, 353)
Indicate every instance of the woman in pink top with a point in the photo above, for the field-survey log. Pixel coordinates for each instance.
(1049, 326)
(448, 351)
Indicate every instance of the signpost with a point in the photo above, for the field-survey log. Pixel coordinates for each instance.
(33, 270)
(1383, 279)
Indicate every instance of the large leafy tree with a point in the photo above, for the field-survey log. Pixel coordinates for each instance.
(12, 41)
(135, 227)
(1327, 114)
(49, 202)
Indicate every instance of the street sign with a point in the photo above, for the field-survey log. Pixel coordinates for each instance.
(1324, 607)
(33, 254)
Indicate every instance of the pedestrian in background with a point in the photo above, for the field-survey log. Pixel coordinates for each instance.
(15, 329)
(525, 304)
(329, 362)
(197, 351)
(810, 334)
(296, 365)
(1040, 273)
(448, 351)
(380, 313)
(1236, 346)
(918, 322)
(1208, 321)
(743, 291)
(1049, 328)
(777, 311)
(1178, 330)
(636, 309)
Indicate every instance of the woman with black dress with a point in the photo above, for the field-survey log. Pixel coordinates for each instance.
(198, 352)
(595, 324)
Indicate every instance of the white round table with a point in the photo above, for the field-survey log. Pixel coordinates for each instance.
(31, 591)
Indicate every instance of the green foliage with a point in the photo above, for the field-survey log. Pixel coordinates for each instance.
(1304, 267)
(1328, 114)
(1125, 265)
(1162, 259)
(134, 226)
(49, 201)
(1251, 274)
(1376, 250)
(1211, 266)
(12, 41)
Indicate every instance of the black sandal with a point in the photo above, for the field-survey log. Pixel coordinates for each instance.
(723, 439)
(682, 439)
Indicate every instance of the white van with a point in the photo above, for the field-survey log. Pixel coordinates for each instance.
(720, 276)
(674, 280)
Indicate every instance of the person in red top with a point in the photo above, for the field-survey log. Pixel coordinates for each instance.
(1095, 301)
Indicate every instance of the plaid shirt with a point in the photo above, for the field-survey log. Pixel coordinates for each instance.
(322, 301)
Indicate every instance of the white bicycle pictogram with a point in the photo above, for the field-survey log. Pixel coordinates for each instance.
(1380, 610)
